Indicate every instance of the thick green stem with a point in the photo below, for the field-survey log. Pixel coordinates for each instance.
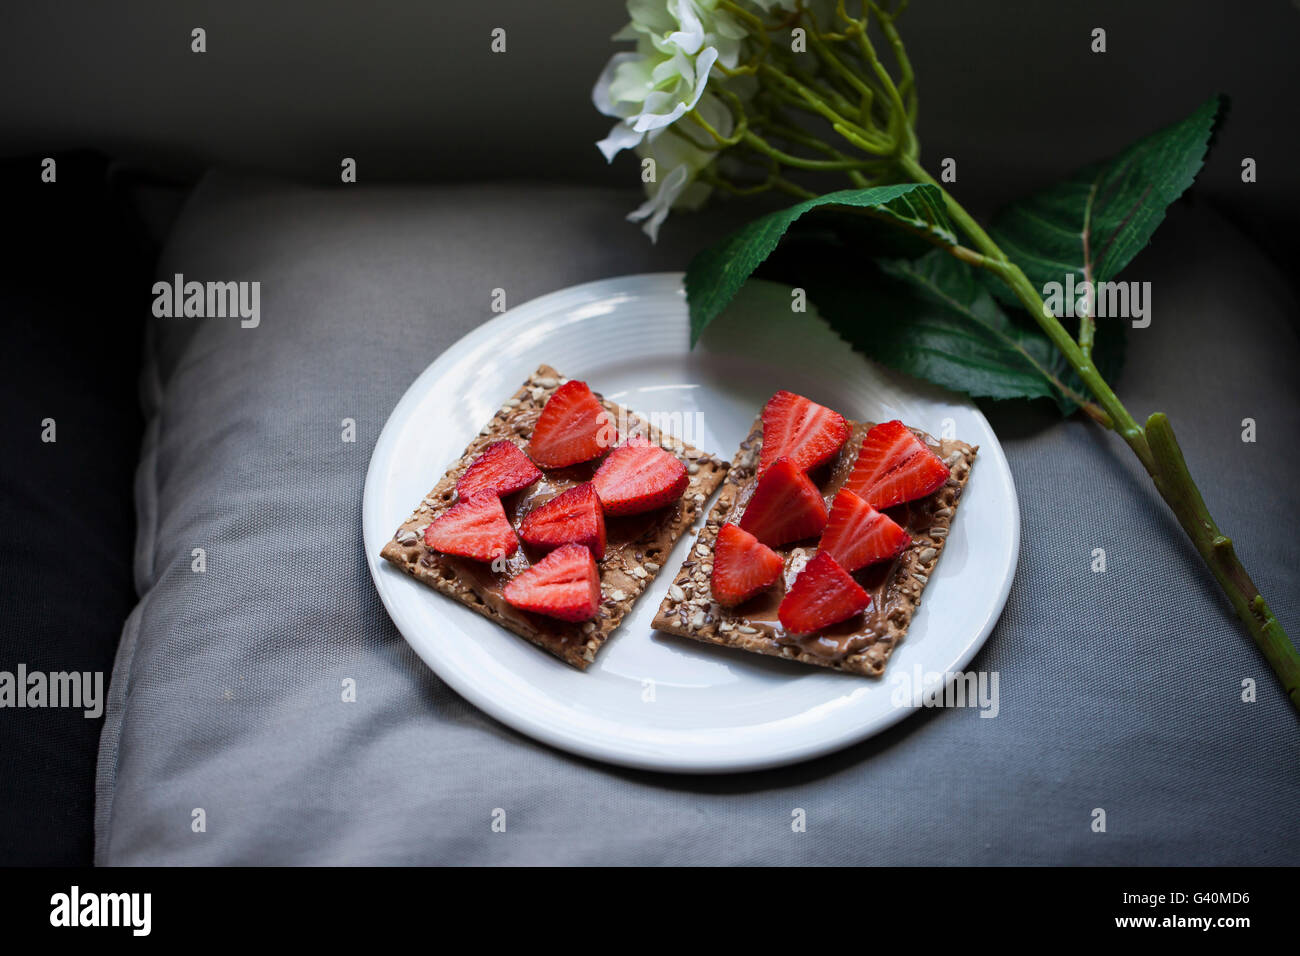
(997, 262)
(1177, 488)
(1154, 446)
(1157, 449)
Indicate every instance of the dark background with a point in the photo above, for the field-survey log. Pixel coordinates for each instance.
(412, 92)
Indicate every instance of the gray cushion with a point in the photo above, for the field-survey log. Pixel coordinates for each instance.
(1119, 690)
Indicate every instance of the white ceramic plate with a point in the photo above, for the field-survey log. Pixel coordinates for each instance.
(653, 700)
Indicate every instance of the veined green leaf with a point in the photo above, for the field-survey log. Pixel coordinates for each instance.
(716, 274)
(1097, 220)
(934, 316)
(948, 329)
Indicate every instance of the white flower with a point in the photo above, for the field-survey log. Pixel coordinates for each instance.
(678, 162)
(679, 45)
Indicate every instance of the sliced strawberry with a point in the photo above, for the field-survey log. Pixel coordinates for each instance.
(639, 476)
(475, 528)
(572, 516)
(895, 466)
(801, 430)
(573, 427)
(564, 584)
(785, 506)
(502, 469)
(857, 534)
(742, 566)
(823, 594)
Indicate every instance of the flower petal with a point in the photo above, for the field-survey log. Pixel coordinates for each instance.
(600, 93)
(657, 206)
(620, 137)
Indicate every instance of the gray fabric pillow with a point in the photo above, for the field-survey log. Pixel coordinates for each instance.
(1119, 690)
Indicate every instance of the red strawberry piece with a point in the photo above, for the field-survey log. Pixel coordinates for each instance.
(785, 506)
(572, 428)
(857, 534)
(572, 516)
(801, 430)
(639, 476)
(564, 584)
(502, 469)
(475, 528)
(742, 566)
(895, 466)
(823, 594)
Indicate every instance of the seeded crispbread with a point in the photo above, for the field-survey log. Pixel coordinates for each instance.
(690, 611)
(636, 549)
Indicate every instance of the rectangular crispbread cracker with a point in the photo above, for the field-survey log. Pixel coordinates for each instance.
(636, 550)
(690, 611)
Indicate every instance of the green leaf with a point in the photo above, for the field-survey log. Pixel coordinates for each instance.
(934, 316)
(716, 274)
(931, 317)
(1098, 219)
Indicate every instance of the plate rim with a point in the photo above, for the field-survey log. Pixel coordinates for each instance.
(382, 575)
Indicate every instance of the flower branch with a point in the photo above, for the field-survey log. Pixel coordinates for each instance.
(763, 78)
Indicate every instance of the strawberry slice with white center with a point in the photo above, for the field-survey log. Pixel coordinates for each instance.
(785, 506)
(823, 594)
(797, 428)
(895, 466)
(573, 427)
(476, 528)
(639, 476)
(502, 469)
(571, 517)
(565, 584)
(857, 534)
(742, 566)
